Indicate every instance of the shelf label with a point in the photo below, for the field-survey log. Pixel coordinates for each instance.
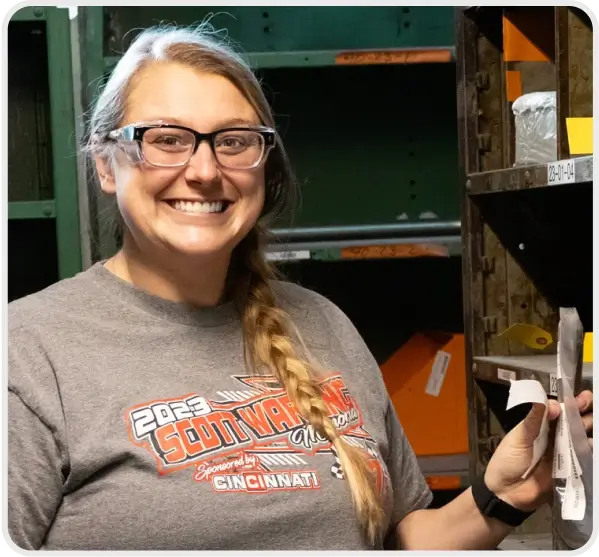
(506, 375)
(395, 251)
(553, 384)
(287, 255)
(437, 376)
(561, 172)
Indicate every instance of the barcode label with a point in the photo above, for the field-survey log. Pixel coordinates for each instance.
(287, 255)
(437, 375)
(506, 375)
(561, 453)
(553, 385)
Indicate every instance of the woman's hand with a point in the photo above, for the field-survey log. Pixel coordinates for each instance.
(514, 455)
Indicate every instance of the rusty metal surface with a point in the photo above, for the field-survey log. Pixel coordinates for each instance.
(408, 56)
(492, 121)
(497, 291)
(527, 305)
(478, 415)
(574, 60)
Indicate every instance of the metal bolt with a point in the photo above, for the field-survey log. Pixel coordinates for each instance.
(47, 211)
(521, 247)
(468, 184)
(38, 12)
(474, 368)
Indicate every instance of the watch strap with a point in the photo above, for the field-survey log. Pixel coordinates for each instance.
(491, 506)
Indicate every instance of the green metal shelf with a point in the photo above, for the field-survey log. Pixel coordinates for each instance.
(27, 210)
(64, 205)
(30, 13)
(64, 146)
(324, 58)
(392, 241)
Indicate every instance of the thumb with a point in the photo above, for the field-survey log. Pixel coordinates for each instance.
(525, 433)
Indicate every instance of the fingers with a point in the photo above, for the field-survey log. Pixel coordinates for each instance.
(529, 428)
(587, 421)
(585, 401)
(553, 409)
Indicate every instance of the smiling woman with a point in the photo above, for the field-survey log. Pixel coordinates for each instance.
(182, 354)
(171, 181)
(184, 140)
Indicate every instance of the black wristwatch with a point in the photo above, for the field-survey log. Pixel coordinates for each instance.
(491, 506)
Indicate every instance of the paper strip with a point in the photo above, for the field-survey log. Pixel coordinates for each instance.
(437, 375)
(561, 452)
(574, 504)
(530, 391)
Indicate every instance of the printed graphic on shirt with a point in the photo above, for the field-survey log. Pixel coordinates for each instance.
(250, 439)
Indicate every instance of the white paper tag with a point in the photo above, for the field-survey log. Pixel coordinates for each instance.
(575, 467)
(553, 384)
(437, 375)
(561, 453)
(561, 172)
(566, 466)
(287, 255)
(558, 370)
(526, 391)
(506, 375)
(574, 504)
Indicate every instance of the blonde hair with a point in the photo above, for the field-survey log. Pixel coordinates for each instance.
(268, 333)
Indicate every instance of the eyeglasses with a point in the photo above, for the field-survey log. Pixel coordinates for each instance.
(169, 145)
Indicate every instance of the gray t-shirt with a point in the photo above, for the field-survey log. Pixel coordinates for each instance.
(134, 425)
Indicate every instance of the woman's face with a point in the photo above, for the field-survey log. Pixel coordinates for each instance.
(178, 208)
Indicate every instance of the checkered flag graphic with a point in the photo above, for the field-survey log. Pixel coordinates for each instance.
(336, 470)
(370, 450)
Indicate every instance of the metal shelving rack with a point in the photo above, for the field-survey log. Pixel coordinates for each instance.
(98, 26)
(64, 207)
(527, 242)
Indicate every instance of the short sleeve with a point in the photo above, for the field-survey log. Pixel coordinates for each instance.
(410, 490)
(37, 461)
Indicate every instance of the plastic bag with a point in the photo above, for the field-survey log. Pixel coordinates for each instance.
(573, 458)
(535, 119)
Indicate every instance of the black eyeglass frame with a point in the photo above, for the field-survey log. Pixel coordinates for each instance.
(135, 132)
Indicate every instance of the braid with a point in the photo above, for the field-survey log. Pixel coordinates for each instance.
(268, 344)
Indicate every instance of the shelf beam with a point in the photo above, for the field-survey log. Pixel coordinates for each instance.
(325, 58)
(526, 177)
(30, 13)
(540, 367)
(27, 210)
(365, 248)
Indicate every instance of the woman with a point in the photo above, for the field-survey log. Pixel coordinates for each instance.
(176, 396)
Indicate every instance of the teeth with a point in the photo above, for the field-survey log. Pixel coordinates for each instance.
(197, 207)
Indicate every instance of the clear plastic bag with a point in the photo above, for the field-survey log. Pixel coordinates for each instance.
(535, 119)
(573, 458)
